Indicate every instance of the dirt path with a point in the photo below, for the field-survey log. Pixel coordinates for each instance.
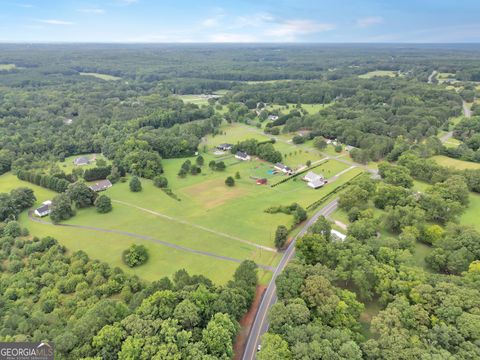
(431, 76)
(143, 237)
(171, 218)
(466, 110)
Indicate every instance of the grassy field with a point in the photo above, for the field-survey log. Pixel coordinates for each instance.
(9, 182)
(310, 108)
(194, 99)
(470, 216)
(384, 73)
(455, 163)
(102, 76)
(209, 217)
(7, 67)
(67, 166)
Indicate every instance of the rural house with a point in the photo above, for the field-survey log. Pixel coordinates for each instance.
(101, 185)
(81, 161)
(240, 155)
(43, 210)
(313, 180)
(283, 168)
(224, 147)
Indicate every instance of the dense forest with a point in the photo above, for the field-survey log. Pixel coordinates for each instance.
(424, 314)
(91, 310)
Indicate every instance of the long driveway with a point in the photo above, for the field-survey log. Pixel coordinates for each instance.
(147, 238)
(260, 324)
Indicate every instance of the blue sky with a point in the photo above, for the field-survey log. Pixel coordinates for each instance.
(160, 21)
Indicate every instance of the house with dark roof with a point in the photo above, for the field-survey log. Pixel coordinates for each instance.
(225, 147)
(101, 185)
(44, 209)
(283, 168)
(81, 161)
(240, 155)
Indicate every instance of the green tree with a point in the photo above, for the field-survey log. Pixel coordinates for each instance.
(135, 184)
(103, 204)
(160, 181)
(230, 181)
(218, 335)
(12, 229)
(81, 195)
(323, 227)
(274, 348)
(319, 142)
(200, 160)
(237, 175)
(61, 208)
(281, 235)
(135, 255)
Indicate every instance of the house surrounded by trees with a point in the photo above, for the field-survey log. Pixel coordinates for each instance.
(43, 210)
(81, 161)
(101, 185)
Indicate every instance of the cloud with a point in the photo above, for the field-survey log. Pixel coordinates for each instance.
(56, 22)
(26, 6)
(369, 21)
(127, 2)
(92, 11)
(214, 20)
(255, 20)
(290, 29)
(232, 38)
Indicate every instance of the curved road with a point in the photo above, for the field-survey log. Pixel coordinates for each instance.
(260, 324)
(143, 237)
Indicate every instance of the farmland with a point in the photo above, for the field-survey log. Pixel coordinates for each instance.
(226, 222)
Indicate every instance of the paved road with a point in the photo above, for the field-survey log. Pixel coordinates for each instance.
(431, 76)
(260, 324)
(148, 238)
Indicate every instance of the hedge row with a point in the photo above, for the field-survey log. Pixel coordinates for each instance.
(299, 173)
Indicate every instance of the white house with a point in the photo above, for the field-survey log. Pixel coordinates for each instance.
(224, 147)
(240, 155)
(283, 168)
(313, 180)
(338, 235)
(272, 117)
(43, 210)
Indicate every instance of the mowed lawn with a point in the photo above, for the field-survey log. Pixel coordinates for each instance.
(383, 73)
(67, 165)
(471, 215)
(455, 163)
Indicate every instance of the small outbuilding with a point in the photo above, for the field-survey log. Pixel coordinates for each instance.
(101, 185)
(44, 209)
(262, 181)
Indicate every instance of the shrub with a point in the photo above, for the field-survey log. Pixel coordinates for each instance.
(103, 204)
(135, 184)
(230, 181)
(135, 255)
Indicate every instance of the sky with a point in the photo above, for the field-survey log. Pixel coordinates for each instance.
(251, 21)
